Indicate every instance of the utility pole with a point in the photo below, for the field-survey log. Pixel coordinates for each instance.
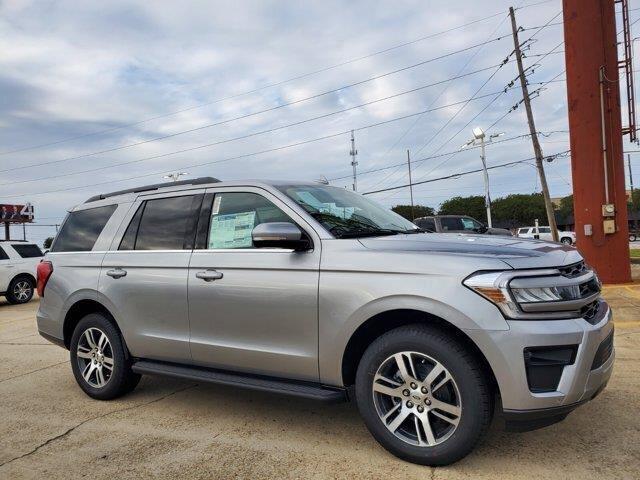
(487, 197)
(633, 201)
(413, 216)
(532, 129)
(480, 136)
(354, 163)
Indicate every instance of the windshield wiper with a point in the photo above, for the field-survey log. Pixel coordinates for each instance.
(369, 232)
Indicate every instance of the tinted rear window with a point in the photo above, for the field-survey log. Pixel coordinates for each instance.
(165, 224)
(81, 229)
(27, 250)
(3, 254)
(451, 224)
(426, 224)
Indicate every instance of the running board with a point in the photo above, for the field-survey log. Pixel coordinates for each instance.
(308, 390)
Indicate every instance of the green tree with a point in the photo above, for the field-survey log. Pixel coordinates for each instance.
(47, 242)
(418, 210)
(565, 209)
(472, 206)
(519, 209)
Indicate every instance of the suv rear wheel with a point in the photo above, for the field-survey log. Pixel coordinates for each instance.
(20, 290)
(566, 240)
(422, 395)
(99, 360)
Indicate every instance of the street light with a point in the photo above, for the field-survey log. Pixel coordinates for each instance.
(174, 176)
(479, 136)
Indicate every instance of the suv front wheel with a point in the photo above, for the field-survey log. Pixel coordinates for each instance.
(99, 360)
(422, 395)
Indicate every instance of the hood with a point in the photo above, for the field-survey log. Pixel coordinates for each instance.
(515, 252)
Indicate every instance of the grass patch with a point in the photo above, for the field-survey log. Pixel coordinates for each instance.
(635, 252)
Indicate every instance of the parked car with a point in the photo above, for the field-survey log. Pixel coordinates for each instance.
(457, 224)
(18, 261)
(633, 235)
(311, 290)
(544, 233)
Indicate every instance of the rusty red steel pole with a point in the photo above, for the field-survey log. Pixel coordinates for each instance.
(597, 163)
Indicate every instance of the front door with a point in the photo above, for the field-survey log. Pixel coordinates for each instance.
(144, 275)
(252, 310)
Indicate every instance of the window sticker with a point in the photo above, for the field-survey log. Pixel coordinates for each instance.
(232, 230)
(216, 205)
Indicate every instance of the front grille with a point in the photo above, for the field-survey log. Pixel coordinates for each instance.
(573, 270)
(604, 352)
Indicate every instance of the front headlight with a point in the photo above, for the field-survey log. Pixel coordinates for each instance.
(536, 294)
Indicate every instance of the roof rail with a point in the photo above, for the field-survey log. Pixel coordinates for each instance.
(155, 186)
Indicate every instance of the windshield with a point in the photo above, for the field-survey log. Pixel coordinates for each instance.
(346, 214)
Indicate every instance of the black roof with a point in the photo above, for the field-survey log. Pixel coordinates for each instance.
(155, 186)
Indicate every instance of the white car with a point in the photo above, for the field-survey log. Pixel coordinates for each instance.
(18, 263)
(544, 233)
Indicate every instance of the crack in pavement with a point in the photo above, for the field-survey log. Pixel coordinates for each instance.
(33, 371)
(71, 429)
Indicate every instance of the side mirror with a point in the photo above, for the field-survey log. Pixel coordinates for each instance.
(482, 229)
(279, 235)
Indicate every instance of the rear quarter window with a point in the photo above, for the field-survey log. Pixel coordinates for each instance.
(3, 254)
(27, 250)
(81, 229)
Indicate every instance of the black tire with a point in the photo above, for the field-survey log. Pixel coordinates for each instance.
(464, 367)
(121, 379)
(20, 290)
(566, 241)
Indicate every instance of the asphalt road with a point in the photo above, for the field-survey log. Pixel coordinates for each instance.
(173, 429)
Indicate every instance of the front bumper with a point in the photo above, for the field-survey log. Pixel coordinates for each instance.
(578, 382)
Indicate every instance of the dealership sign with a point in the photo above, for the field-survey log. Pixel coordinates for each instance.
(16, 213)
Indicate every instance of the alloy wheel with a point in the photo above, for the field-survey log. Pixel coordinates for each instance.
(417, 399)
(22, 290)
(95, 357)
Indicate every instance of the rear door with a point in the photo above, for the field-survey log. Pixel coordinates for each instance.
(6, 269)
(545, 233)
(144, 275)
(260, 314)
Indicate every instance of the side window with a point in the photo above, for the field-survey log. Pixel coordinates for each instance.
(81, 229)
(426, 224)
(545, 229)
(468, 224)
(451, 224)
(522, 231)
(3, 254)
(163, 224)
(28, 250)
(234, 216)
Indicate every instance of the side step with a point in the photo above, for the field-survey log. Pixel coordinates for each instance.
(308, 390)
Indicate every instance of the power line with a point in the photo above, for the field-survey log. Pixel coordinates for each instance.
(468, 172)
(365, 127)
(424, 159)
(259, 112)
(229, 140)
(442, 92)
(255, 90)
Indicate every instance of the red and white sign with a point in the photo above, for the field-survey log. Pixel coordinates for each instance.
(16, 213)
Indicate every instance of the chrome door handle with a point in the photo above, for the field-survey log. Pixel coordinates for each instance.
(117, 273)
(209, 275)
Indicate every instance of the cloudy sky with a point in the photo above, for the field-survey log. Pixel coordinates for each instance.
(88, 88)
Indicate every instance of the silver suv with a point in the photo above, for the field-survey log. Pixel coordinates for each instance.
(311, 290)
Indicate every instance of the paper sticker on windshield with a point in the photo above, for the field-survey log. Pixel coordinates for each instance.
(216, 205)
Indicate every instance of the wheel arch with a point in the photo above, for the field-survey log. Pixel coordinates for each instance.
(79, 310)
(388, 320)
(28, 275)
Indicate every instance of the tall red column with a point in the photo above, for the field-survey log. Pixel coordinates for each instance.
(590, 44)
